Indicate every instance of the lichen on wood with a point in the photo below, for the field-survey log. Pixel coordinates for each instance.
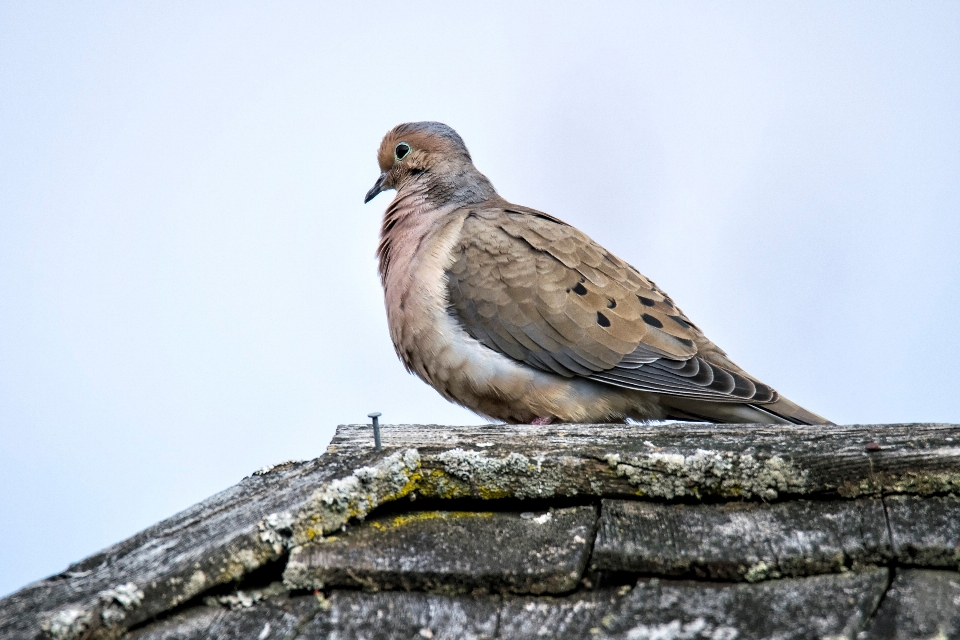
(256, 524)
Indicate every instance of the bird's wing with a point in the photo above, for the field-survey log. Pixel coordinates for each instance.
(538, 290)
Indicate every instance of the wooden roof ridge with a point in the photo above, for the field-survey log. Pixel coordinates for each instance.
(509, 531)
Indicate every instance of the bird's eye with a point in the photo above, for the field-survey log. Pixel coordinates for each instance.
(401, 150)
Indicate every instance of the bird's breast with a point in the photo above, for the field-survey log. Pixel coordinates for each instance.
(418, 250)
(428, 339)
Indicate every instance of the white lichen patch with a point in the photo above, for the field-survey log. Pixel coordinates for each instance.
(761, 571)
(276, 530)
(671, 475)
(118, 601)
(247, 559)
(677, 630)
(612, 459)
(355, 496)
(478, 467)
(197, 583)
(67, 623)
(128, 596)
(247, 598)
(113, 606)
(280, 466)
(513, 475)
(299, 575)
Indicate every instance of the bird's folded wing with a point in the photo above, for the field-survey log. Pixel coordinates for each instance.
(531, 287)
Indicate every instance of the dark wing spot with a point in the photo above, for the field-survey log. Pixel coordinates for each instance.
(647, 302)
(680, 321)
(611, 303)
(653, 322)
(580, 290)
(689, 343)
(544, 216)
(602, 320)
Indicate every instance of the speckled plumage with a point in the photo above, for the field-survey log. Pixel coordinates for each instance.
(520, 317)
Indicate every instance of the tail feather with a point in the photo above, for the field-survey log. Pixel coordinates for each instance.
(781, 411)
(793, 412)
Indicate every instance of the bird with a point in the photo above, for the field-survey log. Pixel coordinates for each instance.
(522, 318)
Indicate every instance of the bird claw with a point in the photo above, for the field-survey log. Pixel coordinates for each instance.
(542, 421)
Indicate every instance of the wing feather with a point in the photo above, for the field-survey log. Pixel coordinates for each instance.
(537, 290)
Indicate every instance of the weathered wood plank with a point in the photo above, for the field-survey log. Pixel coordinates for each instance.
(822, 606)
(257, 521)
(278, 618)
(740, 541)
(344, 615)
(674, 460)
(926, 531)
(217, 541)
(453, 552)
(402, 616)
(921, 604)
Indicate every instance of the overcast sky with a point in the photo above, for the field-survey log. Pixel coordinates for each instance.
(188, 289)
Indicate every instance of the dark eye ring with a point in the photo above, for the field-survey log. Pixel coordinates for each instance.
(401, 150)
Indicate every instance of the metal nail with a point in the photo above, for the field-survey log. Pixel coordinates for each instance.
(375, 416)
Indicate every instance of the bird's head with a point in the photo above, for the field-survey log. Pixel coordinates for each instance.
(415, 150)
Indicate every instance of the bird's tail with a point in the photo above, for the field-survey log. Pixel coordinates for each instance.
(792, 412)
(781, 411)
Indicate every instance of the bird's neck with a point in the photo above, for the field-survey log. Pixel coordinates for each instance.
(459, 184)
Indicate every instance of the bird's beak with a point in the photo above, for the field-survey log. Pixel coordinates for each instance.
(377, 188)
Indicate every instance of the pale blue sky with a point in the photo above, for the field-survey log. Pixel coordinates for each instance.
(188, 289)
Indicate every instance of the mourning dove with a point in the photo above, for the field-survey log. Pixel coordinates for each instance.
(521, 317)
